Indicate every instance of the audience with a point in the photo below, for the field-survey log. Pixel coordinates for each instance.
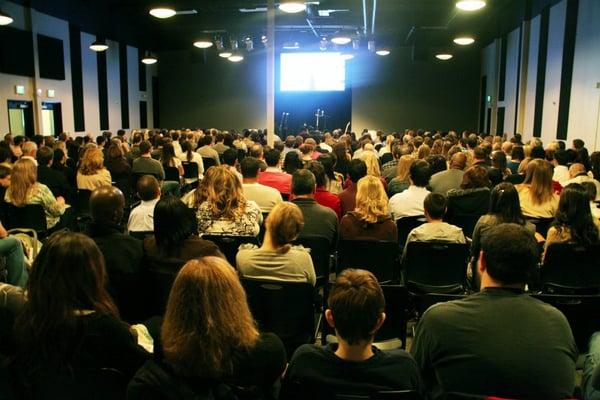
(578, 174)
(409, 203)
(277, 259)
(536, 194)
(322, 195)
(92, 174)
(335, 180)
(273, 176)
(141, 218)
(401, 181)
(356, 170)
(206, 150)
(56, 181)
(265, 196)
(451, 178)
(11, 250)
(118, 166)
(146, 165)
(473, 197)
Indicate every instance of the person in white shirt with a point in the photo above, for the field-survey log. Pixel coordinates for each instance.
(561, 171)
(579, 175)
(409, 203)
(141, 218)
(265, 196)
(191, 156)
(30, 151)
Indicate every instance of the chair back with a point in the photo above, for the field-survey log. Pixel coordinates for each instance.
(570, 268)
(161, 275)
(208, 162)
(379, 257)
(31, 216)
(172, 174)
(396, 311)
(320, 253)
(541, 225)
(436, 267)
(229, 244)
(407, 224)
(190, 169)
(83, 202)
(284, 308)
(141, 235)
(465, 221)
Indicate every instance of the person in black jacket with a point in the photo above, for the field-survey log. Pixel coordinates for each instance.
(56, 181)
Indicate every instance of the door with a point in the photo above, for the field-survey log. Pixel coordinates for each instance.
(51, 119)
(20, 118)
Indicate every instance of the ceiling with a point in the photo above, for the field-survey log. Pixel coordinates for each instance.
(426, 24)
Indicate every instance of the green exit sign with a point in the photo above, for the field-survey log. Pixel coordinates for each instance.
(488, 98)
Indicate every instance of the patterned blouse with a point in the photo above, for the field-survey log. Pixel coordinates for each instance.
(246, 225)
(40, 194)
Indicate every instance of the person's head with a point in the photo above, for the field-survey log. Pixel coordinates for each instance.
(230, 157)
(22, 179)
(419, 173)
(538, 152)
(283, 225)
(472, 142)
(575, 215)
(435, 206)
(30, 149)
(250, 167)
(403, 168)
(100, 140)
(437, 162)
(576, 170)
(578, 144)
(499, 160)
(206, 140)
(45, 156)
(479, 153)
(505, 204)
(328, 161)
(589, 187)
(92, 161)
(145, 148)
(475, 177)
(509, 255)
(174, 222)
(507, 148)
(107, 204)
(68, 276)
(292, 162)
(303, 183)
(356, 306)
(539, 178)
(371, 200)
(5, 171)
(357, 169)
(458, 161)
(372, 163)
(272, 158)
(148, 188)
(223, 193)
(167, 154)
(517, 154)
(318, 171)
(256, 151)
(115, 151)
(207, 322)
(561, 157)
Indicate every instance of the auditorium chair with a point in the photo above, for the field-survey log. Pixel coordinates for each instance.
(229, 244)
(83, 202)
(436, 267)
(190, 171)
(284, 308)
(141, 235)
(31, 216)
(571, 269)
(405, 225)
(378, 256)
(303, 390)
(161, 275)
(172, 174)
(541, 225)
(320, 253)
(465, 221)
(208, 162)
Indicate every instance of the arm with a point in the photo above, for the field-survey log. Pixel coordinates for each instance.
(49, 202)
(3, 232)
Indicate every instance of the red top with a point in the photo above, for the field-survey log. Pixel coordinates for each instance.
(328, 199)
(278, 180)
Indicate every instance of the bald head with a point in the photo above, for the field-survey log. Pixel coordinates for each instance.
(576, 169)
(458, 161)
(106, 205)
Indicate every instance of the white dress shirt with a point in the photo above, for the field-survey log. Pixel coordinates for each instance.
(141, 218)
(561, 174)
(408, 203)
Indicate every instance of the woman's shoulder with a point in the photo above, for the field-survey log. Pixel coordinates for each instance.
(252, 206)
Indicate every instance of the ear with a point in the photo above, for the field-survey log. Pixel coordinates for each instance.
(329, 318)
(481, 265)
(380, 322)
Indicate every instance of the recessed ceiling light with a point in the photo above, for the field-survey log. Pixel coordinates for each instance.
(444, 56)
(203, 44)
(464, 41)
(225, 54)
(162, 12)
(149, 59)
(236, 58)
(5, 19)
(382, 52)
(470, 5)
(292, 6)
(341, 39)
(99, 46)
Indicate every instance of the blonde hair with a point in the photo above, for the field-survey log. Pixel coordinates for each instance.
(284, 223)
(372, 163)
(207, 322)
(539, 180)
(92, 161)
(423, 152)
(404, 165)
(371, 200)
(223, 192)
(22, 179)
(527, 150)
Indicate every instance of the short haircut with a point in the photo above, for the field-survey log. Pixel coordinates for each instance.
(230, 156)
(250, 167)
(256, 151)
(538, 152)
(356, 302)
(303, 182)
(578, 144)
(561, 157)
(272, 157)
(318, 171)
(591, 190)
(435, 205)
(145, 147)
(479, 153)
(357, 169)
(5, 170)
(148, 187)
(511, 253)
(44, 155)
(472, 142)
(420, 172)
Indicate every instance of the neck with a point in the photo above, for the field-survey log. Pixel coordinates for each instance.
(489, 282)
(356, 352)
(250, 180)
(304, 196)
(147, 155)
(434, 221)
(268, 243)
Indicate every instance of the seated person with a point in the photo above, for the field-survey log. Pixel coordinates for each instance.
(356, 170)
(409, 203)
(224, 210)
(265, 196)
(473, 197)
(500, 341)
(401, 181)
(209, 347)
(141, 218)
(536, 193)
(55, 180)
(435, 229)
(277, 259)
(12, 251)
(371, 219)
(322, 195)
(353, 365)
(591, 190)
(70, 322)
(5, 171)
(92, 174)
(273, 176)
(443, 181)
(578, 174)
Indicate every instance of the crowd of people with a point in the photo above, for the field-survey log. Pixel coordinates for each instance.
(156, 195)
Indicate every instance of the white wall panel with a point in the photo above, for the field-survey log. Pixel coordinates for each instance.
(89, 65)
(510, 87)
(532, 65)
(114, 87)
(133, 87)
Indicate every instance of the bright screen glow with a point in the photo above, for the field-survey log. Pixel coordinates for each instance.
(308, 72)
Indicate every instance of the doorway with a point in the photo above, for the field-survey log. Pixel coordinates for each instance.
(51, 119)
(20, 118)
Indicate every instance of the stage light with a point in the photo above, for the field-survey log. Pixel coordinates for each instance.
(464, 41)
(236, 57)
(383, 52)
(323, 44)
(149, 59)
(341, 39)
(225, 54)
(203, 44)
(5, 19)
(444, 56)
(470, 5)
(291, 45)
(99, 45)
(292, 6)
(162, 12)
(249, 44)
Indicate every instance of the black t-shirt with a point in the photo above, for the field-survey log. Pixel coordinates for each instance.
(316, 372)
(498, 342)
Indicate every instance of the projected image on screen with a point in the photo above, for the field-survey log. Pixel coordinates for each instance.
(306, 72)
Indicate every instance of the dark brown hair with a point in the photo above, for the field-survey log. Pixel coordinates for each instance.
(475, 177)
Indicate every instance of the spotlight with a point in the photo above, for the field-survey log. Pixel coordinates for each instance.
(292, 6)
(149, 59)
(444, 56)
(323, 44)
(99, 45)
(383, 52)
(341, 39)
(225, 54)
(236, 57)
(470, 5)
(162, 12)
(5, 19)
(203, 44)
(464, 41)
(249, 44)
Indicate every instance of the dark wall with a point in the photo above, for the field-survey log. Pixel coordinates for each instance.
(216, 93)
(392, 93)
